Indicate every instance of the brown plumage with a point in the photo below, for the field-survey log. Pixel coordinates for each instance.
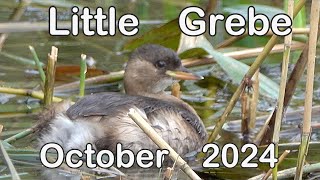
(101, 119)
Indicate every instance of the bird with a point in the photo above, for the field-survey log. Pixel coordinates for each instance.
(102, 118)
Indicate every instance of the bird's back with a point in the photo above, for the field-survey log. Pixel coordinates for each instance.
(177, 125)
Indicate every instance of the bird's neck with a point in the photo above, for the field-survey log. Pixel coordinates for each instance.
(142, 91)
(170, 98)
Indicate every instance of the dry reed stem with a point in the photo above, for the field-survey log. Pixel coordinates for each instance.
(252, 52)
(231, 40)
(311, 64)
(281, 158)
(28, 26)
(306, 130)
(16, 16)
(27, 92)
(108, 78)
(284, 74)
(245, 115)
(289, 173)
(169, 171)
(241, 54)
(253, 68)
(1, 127)
(50, 76)
(266, 176)
(254, 99)
(175, 90)
(135, 115)
(295, 31)
(211, 6)
(234, 39)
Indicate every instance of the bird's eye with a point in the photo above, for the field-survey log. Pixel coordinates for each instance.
(160, 64)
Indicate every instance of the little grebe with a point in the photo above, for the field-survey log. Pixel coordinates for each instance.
(101, 119)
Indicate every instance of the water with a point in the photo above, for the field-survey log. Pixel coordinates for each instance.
(209, 97)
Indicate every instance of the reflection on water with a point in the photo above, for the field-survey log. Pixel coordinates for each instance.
(291, 127)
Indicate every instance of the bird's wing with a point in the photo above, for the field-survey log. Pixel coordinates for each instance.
(113, 104)
(95, 105)
(110, 104)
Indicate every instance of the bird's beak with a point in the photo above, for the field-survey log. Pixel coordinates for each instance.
(183, 74)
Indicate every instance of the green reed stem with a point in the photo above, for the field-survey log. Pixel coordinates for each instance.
(12, 169)
(38, 64)
(19, 135)
(284, 75)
